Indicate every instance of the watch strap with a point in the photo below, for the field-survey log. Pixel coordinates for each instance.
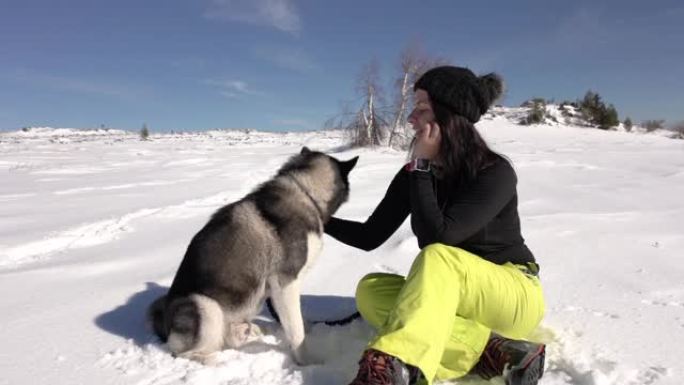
(418, 164)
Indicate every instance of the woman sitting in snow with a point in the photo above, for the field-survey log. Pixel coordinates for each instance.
(472, 294)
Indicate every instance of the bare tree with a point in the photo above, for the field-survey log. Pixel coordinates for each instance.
(368, 124)
(342, 120)
(413, 62)
(409, 62)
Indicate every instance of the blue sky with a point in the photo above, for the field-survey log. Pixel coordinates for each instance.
(276, 64)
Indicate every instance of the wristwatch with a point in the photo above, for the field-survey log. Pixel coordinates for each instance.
(419, 164)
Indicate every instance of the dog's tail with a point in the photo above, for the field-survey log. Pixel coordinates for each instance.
(156, 319)
(195, 326)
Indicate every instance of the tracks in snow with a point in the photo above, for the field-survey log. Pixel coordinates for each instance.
(111, 229)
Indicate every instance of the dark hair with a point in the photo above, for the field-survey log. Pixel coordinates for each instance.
(464, 152)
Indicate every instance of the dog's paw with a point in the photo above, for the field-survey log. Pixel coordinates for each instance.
(254, 331)
(239, 333)
(208, 359)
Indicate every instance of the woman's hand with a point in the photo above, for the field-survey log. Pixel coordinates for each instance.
(428, 139)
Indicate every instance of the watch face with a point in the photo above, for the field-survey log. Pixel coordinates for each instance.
(422, 164)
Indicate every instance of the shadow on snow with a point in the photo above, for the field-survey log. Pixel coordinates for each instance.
(129, 320)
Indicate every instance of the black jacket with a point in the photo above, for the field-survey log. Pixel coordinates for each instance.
(480, 217)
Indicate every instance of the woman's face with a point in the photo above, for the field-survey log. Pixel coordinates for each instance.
(422, 113)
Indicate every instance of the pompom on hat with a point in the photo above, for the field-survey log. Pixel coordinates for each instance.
(460, 90)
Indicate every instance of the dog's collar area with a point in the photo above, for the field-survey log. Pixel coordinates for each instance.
(318, 208)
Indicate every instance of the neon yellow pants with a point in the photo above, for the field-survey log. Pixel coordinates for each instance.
(439, 318)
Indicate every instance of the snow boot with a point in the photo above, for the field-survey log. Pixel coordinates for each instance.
(378, 368)
(519, 362)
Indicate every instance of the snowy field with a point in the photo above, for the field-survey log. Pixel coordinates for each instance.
(94, 224)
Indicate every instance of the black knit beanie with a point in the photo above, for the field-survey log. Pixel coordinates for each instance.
(460, 90)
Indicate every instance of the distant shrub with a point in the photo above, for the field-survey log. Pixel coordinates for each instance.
(537, 111)
(569, 103)
(532, 102)
(628, 124)
(609, 118)
(595, 111)
(678, 128)
(652, 125)
(144, 132)
(565, 111)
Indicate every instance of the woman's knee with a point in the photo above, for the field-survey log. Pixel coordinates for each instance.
(363, 287)
(372, 281)
(372, 294)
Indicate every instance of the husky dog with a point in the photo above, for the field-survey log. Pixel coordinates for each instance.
(254, 248)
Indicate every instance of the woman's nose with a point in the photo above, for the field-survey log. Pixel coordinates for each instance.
(411, 119)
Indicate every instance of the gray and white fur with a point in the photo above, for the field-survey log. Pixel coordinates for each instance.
(252, 249)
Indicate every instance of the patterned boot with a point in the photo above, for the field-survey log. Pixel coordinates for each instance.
(520, 362)
(378, 368)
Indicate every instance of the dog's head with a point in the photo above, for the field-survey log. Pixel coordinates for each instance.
(324, 177)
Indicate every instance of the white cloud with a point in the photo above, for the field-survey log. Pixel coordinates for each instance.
(232, 88)
(280, 14)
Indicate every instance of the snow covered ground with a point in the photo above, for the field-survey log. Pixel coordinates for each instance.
(93, 226)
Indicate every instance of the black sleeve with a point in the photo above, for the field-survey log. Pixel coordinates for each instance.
(385, 220)
(469, 209)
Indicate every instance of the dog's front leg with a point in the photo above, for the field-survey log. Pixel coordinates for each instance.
(286, 301)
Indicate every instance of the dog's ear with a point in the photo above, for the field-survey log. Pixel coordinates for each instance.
(347, 166)
(305, 150)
